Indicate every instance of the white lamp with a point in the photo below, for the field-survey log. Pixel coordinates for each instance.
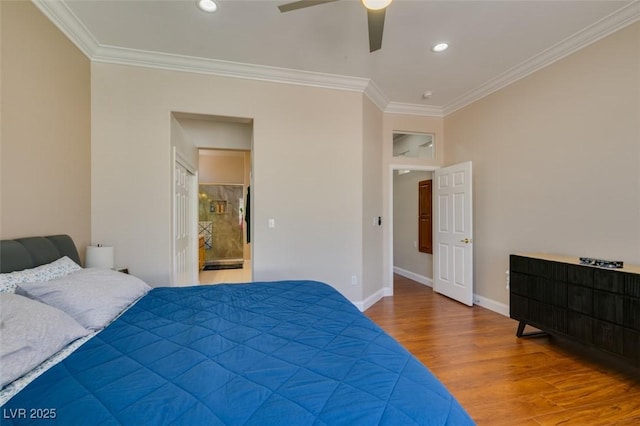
(99, 257)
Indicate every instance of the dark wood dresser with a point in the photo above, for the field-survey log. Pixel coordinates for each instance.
(598, 307)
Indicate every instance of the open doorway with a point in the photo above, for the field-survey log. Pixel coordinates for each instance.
(221, 148)
(224, 216)
(402, 209)
(408, 260)
(452, 260)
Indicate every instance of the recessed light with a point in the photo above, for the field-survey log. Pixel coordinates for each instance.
(209, 6)
(440, 47)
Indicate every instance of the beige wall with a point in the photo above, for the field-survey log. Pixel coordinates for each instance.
(45, 137)
(186, 151)
(222, 167)
(372, 208)
(406, 256)
(218, 132)
(314, 196)
(556, 160)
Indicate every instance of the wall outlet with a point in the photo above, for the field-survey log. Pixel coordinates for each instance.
(354, 280)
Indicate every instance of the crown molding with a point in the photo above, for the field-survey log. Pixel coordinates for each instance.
(373, 92)
(617, 20)
(171, 62)
(72, 27)
(414, 109)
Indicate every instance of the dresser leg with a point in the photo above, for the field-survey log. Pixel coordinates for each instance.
(520, 332)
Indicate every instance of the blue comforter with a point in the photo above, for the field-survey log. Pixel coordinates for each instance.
(289, 353)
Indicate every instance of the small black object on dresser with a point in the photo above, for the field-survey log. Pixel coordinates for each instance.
(595, 306)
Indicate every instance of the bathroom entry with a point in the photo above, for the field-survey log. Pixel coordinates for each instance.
(221, 211)
(223, 219)
(223, 155)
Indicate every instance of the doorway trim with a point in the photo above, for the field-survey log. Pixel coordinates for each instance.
(388, 235)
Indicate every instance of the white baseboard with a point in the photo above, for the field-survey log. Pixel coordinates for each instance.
(365, 304)
(481, 301)
(484, 302)
(413, 276)
(492, 305)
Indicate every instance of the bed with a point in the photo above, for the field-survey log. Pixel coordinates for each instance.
(286, 352)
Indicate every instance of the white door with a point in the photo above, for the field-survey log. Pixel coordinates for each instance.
(453, 233)
(183, 235)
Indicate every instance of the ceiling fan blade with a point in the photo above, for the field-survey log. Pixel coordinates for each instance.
(376, 26)
(302, 4)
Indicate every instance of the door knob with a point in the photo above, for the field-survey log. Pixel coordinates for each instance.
(466, 240)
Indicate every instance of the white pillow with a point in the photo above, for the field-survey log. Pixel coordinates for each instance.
(56, 269)
(93, 297)
(30, 333)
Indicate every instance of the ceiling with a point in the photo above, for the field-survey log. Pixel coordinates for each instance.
(492, 43)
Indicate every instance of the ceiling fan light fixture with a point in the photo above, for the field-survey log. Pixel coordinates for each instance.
(208, 6)
(440, 47)
(376, 4)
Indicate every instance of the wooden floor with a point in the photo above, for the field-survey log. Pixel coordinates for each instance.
(501, 379)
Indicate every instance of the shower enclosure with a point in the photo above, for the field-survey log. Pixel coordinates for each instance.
(221, 215)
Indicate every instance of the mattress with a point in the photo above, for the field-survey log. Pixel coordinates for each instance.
(288, 352)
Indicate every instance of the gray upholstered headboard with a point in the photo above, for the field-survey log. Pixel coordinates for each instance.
(25, 253)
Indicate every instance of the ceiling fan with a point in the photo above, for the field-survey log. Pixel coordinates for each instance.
(375, 16)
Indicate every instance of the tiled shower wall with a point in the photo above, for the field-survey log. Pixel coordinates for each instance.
(220, 206)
